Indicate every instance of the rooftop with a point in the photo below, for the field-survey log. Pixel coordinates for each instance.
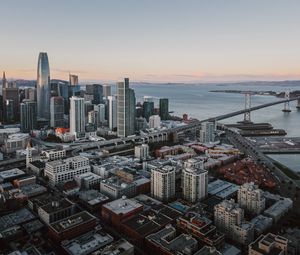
(72, 221)
(15, 218)
(280, 206)
(123, 205)
(92, 197)
(57, 205)
(87, 243)
(33, 189)
(15, 172)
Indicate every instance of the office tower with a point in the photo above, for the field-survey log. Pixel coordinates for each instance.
(88, 106)
(77, 116)
(141, 124)
(9, 111)
(28, 116)
(112, 112)
(57, 112)
(61, 171)
(148, 109)
(93, 118)
(229, 219)
(269, 244)
(4, 80)
(73, 79)
(207, 132)
(251, 198)
(164, 108)
(154, 121)
(11, 103)
(100, 109)
(97, 91)
(43, 87)
(106, 90)
(194, 184)
(163, 183)
(148, 99)
(30, 94)
(125, 109)
(141, 151)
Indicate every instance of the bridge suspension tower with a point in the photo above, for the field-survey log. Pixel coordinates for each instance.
(247, 116)
(287, 107)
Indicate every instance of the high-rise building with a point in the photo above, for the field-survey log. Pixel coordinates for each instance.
(57, 112)
(97, 91)
(154, 121)
(28, 116)
(9, 111)
(4, 80)
(148, 109)
(77, 116)
(207, 132)
(194, 184)
(43, 87)
(106, 90)
(229, 219)
(125, 109)
(93, 117)
(164, 108)
(30, 94)
(100, 109)
(163, 183)
(251, 198)
(73, 79)
(112, 112)
(141, 151)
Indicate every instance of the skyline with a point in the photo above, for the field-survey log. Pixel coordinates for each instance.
(170, 41)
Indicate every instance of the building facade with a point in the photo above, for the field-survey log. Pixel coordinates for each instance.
(28, 116)
(57, 112)
(77, 116)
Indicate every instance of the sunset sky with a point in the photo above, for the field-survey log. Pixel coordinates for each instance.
(152, 40)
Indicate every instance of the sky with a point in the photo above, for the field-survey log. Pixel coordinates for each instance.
(153, 41)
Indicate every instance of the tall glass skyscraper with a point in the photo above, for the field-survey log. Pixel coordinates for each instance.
(125, 109)
(43, 87)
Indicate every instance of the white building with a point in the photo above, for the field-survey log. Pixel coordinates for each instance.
(15, 142)
(229, 219)
(194, 184)
(206, 133)
(61, 171)
(163, 183)
(154, 121)
(141, 151)
(54, 154)
(112, 112)
(77, 116)
(251, 198)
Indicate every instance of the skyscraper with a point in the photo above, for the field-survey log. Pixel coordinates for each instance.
(207, 132)
(106, 90)
(73, 79)
(194, 184)
(125, 109)
(11, 103)
(57, 112)
(28, 116)
(148, 109)
(112, 112)
(164, 108)
(4, 80)
(97, 91)
(43, 87)
(77, 116)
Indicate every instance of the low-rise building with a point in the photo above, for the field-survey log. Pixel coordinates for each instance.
(23, 181)
(269, 244)
(279, 208)
(141, 151)
(261, 223)
(61, 171)
(72, 226)
(167, 242)
(115, 188)
(201, 228)
(118, 210)
(15, 142)
(87, 243)
(88, 180)
(92, 200)
(56, 210)
(120, 247)
(10, 175)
